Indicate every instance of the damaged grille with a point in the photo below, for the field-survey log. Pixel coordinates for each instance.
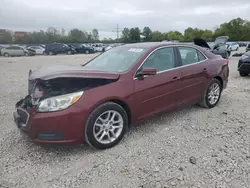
(24, 116)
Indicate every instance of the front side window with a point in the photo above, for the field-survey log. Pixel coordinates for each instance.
(16, 48)
(162, 59)
(119, 59)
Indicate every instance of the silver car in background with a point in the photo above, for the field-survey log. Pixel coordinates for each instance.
(38, 49)
(16, 51)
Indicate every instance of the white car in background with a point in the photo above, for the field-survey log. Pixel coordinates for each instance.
(233, 46)
(99, 47)
(38, 49)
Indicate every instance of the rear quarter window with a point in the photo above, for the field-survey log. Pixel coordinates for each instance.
(200, 56)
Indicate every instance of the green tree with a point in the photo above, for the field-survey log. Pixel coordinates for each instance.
(125, 35)
(77, 35)
(207, 35)
(189, 34)
(134, 34)
(157, 36)
(5, 37)
(175, 35)
(236, 29)
(147, 32)
(95, 34)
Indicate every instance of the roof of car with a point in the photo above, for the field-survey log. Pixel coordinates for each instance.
(153, 44)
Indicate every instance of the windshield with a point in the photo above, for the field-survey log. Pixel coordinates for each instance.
(118, 59)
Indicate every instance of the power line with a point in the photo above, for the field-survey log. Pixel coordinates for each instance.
(117, 30)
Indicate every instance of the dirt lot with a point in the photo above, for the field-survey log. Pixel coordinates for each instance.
(192, 147)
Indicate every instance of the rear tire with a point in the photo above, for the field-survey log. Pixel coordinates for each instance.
(69, 52)
(107, 126)
(51, 53)
(212, 94)
(87, 52)
(26, 54)
(243, 74)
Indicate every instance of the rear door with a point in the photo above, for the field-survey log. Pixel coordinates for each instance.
(10, 50)
(194, 76)
(158, 92)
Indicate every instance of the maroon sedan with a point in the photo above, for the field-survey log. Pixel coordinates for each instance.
(97, 102)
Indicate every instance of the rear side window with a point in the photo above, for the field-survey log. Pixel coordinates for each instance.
(190, 55)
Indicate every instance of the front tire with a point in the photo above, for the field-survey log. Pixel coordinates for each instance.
(87, 52)
(106, 126)
(212, 94)
(6, 55)
(243, 74)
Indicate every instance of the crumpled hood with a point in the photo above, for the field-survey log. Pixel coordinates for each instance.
(77, 71)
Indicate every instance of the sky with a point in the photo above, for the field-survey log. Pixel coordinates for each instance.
(104, 15)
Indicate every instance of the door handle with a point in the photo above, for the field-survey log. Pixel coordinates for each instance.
(175, 78)
(204, 70)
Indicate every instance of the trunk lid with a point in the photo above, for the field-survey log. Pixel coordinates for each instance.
(201, 42)
(221, 40)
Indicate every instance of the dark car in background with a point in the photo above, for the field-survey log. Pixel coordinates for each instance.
(97, 102)
(248, 47)
(81, 48)
(58, 48)
(219, 47)
(244, 64)
(242, 44)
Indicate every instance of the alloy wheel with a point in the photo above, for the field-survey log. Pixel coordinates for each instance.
(108, 127)
(214, 93)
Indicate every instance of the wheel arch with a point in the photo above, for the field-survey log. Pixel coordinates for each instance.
(220, 79)
(125, 106)
(120, 102)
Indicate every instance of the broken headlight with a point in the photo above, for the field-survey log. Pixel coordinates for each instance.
(59, 102)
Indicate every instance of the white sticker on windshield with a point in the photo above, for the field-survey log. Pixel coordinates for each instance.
(135, 50)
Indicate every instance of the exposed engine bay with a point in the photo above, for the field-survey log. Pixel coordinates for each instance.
(42, 89)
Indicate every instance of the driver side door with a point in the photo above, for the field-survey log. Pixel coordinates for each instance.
(160, 92)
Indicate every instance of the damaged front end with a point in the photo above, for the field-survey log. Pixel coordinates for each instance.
(42, 89)
(55, 93)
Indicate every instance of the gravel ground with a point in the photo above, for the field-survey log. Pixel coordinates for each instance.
(192, 147)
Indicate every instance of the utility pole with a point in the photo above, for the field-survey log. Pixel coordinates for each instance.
(117, 30)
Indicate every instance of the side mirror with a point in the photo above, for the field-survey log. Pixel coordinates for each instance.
(147, 71)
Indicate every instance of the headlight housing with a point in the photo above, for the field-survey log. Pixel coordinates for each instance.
(245, 56)
(57, 103)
